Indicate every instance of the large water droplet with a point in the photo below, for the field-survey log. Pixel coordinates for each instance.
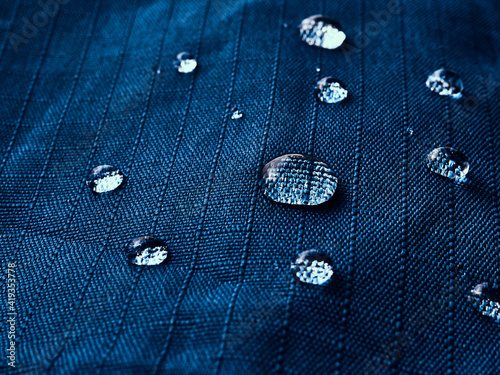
(446, 83)
(236, 114)
(298, 180)
(448, 162)
(105, 178)
(486, 300)
(329, 90)
(185, 62)
(313, 267)
(321, 32)
(147, 251)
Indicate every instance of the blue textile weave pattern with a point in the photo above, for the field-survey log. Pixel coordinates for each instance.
(89, 83)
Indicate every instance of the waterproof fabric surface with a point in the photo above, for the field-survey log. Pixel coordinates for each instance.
(93, 83)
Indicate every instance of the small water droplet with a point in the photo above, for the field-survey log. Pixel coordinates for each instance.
(105, 178)
(329, 90)
(285, 25)
(298, 180)
(185, 62)
(318, 69)
(321, 32)
(448, 162)
(446, 83)
(158, 71)
(147, 251)
(486, 299)
(410, 131)
(236, 114)
(313, 267)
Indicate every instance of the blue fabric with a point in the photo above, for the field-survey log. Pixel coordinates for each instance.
(92, 83)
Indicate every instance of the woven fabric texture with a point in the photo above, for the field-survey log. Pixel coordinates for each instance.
(88, 83)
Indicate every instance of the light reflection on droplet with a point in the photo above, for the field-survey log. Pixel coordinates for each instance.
(236, 114)
(312, 267)
(486, 299)
(329, 90)
(448, 162)
(298, 180)
(185, 63)
(147, 251)
(321, 32)
(104, 178)
(445, 83)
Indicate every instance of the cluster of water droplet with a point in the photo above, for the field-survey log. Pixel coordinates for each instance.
(297, 179)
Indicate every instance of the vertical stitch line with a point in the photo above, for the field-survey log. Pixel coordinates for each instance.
(404, 187)
(451, 213)
(491, 156)
(81, 296)
(186, 280)
(218, 363)
(13, 17)
(137, 275)
(300, 229)
(27, 98)
(253, 202)
(354, 208)
(88, 37)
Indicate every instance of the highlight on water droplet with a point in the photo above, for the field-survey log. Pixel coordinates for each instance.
(185, 62)
(297, 179)
(236, 114)
(445, 83)
(330, 90)
(321, 32)
(486, 299)
(147, 251)
(448, 162)
(105, 178)
(312, 267)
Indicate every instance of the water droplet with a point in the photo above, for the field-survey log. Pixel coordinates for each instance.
(313, 267)
(147, 251)
(329, 90)
(236, 114)
(185, 62)
(285, 25)
(448, 162)
(486, 300)
(105, 178)
(318, 69)
(410, 131)
(446, 83)
(298, 180)
(321, 32)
